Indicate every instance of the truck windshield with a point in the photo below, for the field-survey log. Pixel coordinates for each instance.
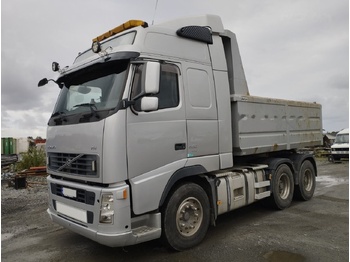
(341, 139)
(90, 94)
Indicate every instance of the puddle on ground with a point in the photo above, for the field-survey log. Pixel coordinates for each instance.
(328, 181)
(285, 256)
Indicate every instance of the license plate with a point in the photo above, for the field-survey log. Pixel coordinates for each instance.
(73, 212)
(69, 192)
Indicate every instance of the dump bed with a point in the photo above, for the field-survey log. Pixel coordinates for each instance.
(261, 125)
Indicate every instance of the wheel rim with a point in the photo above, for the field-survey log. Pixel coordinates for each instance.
(308, 182)
(284, 186)
(189, 217)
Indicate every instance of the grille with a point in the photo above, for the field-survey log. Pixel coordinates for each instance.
(340, 149)
(78, 164)
(83, 196)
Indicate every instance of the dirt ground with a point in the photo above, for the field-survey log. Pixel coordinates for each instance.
(316, 230)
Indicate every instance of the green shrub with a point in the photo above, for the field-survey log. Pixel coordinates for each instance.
(34, 157)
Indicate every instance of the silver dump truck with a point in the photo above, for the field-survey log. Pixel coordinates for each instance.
(154, 134)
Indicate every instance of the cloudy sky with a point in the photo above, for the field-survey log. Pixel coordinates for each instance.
(291, 49)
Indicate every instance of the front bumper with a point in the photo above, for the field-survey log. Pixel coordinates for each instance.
(77, 207)
(340, 153)
(107, 239)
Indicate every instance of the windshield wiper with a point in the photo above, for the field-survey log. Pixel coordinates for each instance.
(62, 116)
(58, 113)
(92, 107)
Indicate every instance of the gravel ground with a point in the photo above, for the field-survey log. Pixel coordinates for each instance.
(17, 206)
(316, 230)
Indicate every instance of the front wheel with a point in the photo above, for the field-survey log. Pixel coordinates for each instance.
(282, 187)
(186, 217)
(307, 181)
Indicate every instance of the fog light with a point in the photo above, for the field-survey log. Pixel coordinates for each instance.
(106, 209)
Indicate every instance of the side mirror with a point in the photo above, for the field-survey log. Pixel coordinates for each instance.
(149, 103)
(43, 82)
(152, 78)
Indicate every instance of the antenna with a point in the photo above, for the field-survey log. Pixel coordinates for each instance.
(155, 10)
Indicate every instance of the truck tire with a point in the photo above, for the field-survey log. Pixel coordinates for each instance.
(186, 217)
(282, 187)
(307, 181)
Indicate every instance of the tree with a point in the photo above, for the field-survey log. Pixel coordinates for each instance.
(34, 157)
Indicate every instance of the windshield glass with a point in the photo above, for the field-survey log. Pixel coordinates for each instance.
(92, 90)
(343, 138)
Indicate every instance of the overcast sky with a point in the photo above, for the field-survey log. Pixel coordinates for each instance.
(291, 49)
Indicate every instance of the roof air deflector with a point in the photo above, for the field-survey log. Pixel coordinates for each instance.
(199, 33)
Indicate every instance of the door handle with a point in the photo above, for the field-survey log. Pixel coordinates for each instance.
(180, 146)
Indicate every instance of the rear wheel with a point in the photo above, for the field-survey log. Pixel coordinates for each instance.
(186, 217)
(307, 181)
(282, 187)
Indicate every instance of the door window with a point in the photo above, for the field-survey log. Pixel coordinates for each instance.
(168, 94)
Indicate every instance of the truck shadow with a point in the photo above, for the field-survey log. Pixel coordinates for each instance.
(237, 222)
(155, 249)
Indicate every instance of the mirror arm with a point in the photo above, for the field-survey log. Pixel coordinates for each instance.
(142, 94)
(125, 103)
(133, 111)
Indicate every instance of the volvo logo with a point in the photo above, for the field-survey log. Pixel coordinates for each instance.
(51, 147)
(69, 162)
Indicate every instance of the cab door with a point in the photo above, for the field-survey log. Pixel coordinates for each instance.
(156, 140)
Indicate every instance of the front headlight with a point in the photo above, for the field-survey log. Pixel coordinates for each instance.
(106, 209)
